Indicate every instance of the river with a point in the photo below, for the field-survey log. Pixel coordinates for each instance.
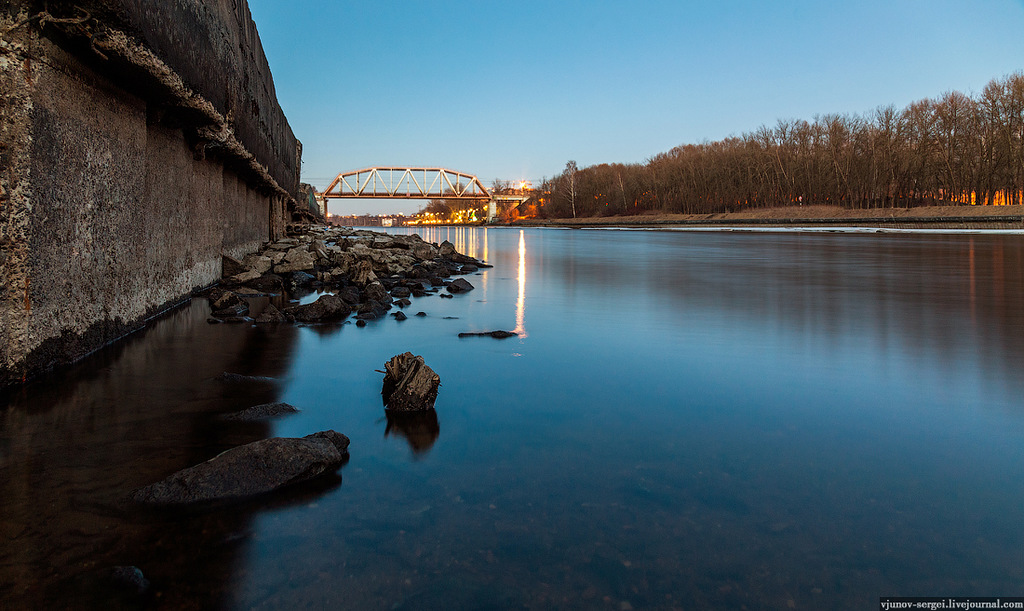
(685, 420)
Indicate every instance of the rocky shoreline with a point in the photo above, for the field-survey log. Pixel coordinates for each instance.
(362, 273)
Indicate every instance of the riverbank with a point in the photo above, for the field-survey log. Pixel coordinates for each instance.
(925, 217)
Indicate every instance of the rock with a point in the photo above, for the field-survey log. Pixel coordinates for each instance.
(409, 384)
(360, 323)
(257, 263)
(244, 277)
(297, 259)
(461, 258)
(403, 303)
(400, 315)
(377, 292)
(469, 268)
(421, 314)
(349, 294)
(271, 314)
(231, 266)
(267, 283)
(237, 377)
(447, 296)
(128, 579)
(319, 250)
(423, 251)
(447, 249)
(262, 412)
(495, 334)
(460, 285)
(220, 299)
(232, 311)
(253, 469)
(400, 291)
(362, 273)
(300, 279)
(325, 309)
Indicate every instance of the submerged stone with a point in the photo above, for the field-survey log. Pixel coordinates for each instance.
(250, 470)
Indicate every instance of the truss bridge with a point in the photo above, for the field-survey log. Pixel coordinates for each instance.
(406, 183)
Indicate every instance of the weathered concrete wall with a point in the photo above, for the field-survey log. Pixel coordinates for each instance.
(127, 166)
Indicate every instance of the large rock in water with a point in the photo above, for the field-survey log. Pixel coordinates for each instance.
(409, 384)
(460, 285)
(256, 468)
(325, 309)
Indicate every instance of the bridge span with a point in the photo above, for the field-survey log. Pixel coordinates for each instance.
(406, 183)
(392, 182)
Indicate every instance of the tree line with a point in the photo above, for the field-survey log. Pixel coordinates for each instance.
(956, 149)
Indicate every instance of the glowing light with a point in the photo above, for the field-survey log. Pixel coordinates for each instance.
(520, 329)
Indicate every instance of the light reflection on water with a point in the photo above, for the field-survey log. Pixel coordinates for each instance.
(693, 421)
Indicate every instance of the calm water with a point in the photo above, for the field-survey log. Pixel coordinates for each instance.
(687, 420)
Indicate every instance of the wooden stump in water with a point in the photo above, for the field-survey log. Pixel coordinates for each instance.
(409, 384)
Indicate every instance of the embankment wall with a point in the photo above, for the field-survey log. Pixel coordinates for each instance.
(139, 142)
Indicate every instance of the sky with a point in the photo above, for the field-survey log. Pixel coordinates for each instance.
(514, 90)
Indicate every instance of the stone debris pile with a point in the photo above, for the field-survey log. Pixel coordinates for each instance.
(363, 273)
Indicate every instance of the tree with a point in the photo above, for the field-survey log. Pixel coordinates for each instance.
(570, 184)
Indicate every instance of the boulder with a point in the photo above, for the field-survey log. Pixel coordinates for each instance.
(400, 315)
(319, 250)
(460, 285)
(400, 292)
(233, 311)
(267, 283)
(257, 263)
(262, 412)
(253, 469)
(244, 277)
(271, 314)
(377, 292)
(423, 251)
(296, 260)
(447, 249)
(231, 266)
(299, 279)
(409, 384)
(325, 309)
(220, 299)
(362, 273)
(128, 579)
(350, 294)
(469, 268)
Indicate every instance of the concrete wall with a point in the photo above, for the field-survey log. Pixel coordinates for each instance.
(121, 182)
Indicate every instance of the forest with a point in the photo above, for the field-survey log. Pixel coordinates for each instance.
(956, 149)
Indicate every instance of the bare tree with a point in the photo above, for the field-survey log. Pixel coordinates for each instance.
(570, 174)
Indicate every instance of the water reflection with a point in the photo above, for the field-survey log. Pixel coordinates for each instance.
(521, 279)
(420, 429)
(77, 442)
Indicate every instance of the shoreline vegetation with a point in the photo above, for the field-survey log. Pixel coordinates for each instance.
(956, 155)
(953, 150)
(997, 217)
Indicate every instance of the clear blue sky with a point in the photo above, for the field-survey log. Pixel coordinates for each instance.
(514, 90)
